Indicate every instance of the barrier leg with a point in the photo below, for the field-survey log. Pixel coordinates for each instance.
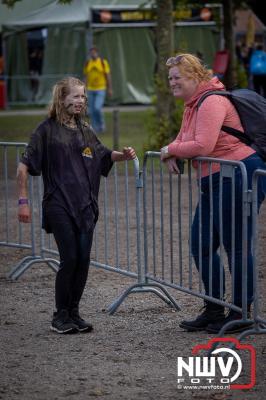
(144, 288)
(20, 265)
(27, 262)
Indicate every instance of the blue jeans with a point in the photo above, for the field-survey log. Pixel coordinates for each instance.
(95, 104)
(252, 163)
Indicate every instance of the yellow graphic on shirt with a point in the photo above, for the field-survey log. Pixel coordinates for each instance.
(87, 152)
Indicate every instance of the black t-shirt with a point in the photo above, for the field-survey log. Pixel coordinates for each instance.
(71, 162)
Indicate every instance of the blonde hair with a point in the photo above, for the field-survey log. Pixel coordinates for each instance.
(60, 90)
(190, 66)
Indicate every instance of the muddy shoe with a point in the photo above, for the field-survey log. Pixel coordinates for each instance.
(212, 313)
(82, 325)
(62, 323)
(232, 316)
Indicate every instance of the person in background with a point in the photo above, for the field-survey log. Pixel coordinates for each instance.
(35, 67)
(258, 69)
(98, 82)
(243, 53)
(201, 135)
(71, 159)
(1, 65)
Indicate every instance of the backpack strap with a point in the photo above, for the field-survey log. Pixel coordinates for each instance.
(238, 134)
(228, 129)
(207, 94)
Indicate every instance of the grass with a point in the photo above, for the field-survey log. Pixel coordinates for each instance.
(132, 128)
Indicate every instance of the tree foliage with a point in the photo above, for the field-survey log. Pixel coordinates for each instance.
(167, 122)
(11, 3)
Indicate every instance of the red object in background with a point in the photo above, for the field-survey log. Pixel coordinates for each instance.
(2, 94)
(220, 63)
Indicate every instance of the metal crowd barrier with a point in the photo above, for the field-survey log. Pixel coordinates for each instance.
(15, 234)
(115, 210)
(140, 286)
(154, 246)
(167, 229)
(113, 249)
(9, 156)
(260, 323)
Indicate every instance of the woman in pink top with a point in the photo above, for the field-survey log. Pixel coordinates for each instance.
(201, 135)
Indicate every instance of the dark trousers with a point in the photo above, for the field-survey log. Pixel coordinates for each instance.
(74, 249)
(210, 258)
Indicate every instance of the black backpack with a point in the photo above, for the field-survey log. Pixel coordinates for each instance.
(251, 108)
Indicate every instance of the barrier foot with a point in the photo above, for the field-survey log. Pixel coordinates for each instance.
(222, 331)
(250, 330)
(258, 329)
(144, 288)
(27, 262)
(21, 265)
(53, 264)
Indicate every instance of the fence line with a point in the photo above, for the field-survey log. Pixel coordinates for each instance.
(155, 245)
(15, 235)
(177, 278)
(260, 323)
(161, 239)
(118, 258)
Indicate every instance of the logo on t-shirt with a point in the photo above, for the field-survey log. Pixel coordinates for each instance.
(87, 152)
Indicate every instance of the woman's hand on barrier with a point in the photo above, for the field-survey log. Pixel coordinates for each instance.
(172, 165)
(24, 213)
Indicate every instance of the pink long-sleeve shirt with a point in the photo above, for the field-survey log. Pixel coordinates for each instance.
(200, 133)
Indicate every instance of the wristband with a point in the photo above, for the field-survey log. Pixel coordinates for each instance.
(164, 150)
(23, 201)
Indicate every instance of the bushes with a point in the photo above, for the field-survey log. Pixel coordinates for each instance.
(242, 77)
(163, 129)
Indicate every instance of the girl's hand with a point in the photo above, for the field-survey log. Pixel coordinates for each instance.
(24, 213)
(129, 153)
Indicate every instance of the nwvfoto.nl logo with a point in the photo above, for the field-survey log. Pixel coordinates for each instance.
(221, 368)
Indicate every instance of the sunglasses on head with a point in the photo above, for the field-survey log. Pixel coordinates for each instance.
(173, 60)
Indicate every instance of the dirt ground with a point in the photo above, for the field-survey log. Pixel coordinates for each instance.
(129, 355)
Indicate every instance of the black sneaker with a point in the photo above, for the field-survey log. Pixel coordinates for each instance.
(212, 312)
(62, 323)
(232, 316)
(82, 325)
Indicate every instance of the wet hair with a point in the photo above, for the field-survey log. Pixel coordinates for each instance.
(61, 89)
(190, 66)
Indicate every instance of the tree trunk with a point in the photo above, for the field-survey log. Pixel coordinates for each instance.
(165, 46)
(230, 78)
